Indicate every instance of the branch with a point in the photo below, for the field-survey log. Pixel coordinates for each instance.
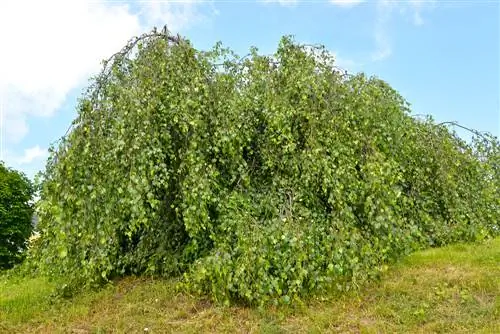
(477, 133)
(102, 76)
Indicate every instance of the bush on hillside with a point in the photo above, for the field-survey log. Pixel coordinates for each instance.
(258, 179)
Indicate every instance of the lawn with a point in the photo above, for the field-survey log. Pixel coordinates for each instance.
(455, 289)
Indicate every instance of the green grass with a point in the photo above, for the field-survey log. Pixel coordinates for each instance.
(449, 290)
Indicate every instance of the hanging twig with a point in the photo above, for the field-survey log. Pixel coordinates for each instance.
(477, 133)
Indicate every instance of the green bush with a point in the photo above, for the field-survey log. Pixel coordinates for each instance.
(258, 179)
(16, 212)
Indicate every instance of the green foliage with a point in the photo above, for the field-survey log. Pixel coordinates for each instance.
(260, 179)
(16, 212)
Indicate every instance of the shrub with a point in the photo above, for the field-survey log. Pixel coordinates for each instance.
(258, 179)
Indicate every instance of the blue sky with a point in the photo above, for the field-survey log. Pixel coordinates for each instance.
(442, 56)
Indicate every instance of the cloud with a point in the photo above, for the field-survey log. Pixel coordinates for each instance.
(52, 47)
(286, 3)
(384, 12)
(29, 161)
(347, 64)
(383, 47)
(417, 6)
(31, 154)
(178, 15)
(346, 3)
(27, 157)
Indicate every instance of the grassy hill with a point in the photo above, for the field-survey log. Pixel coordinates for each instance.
(455, 289)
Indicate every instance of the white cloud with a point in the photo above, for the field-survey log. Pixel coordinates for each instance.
(346, 3)
(417, 6)
(28, 156)
(384, 11)
(31, 154)
(52, 47)
(417, 19)
(383, 47)
(286, 3)
(347, 64)
(29, 161)
(178, 15)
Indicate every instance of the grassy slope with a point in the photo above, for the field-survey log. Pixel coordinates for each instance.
(454, 289)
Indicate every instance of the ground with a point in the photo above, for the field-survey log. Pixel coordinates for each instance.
(455, 289)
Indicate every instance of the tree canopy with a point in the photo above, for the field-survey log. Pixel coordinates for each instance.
(16, 212)
(256, 179)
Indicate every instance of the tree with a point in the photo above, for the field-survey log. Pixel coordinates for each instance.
(16, 213)
(258, 179)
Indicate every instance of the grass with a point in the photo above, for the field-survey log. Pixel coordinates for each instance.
(455, 289)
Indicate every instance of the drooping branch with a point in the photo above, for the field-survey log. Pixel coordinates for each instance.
(102, 77)
(477, 133)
